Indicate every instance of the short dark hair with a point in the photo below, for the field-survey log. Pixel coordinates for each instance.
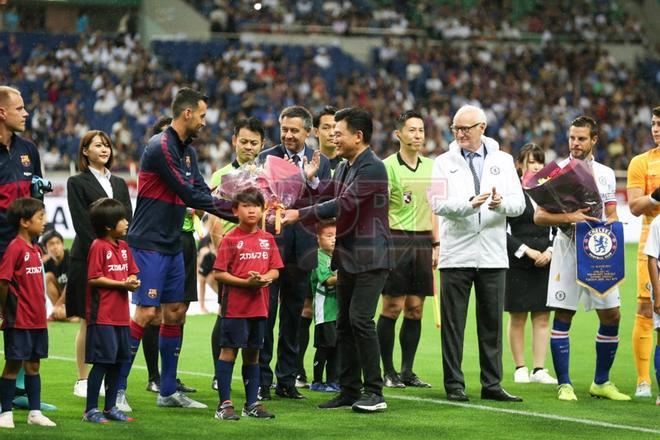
(586, 121)
(186, 97)
(23, 209)
(82, 162)
(253, 124)
(357, 119)
(160, 124)
(250, 196)
(49, 235)
(408, 114)
(106, 213)
(298, 111)
(656, 111)
(324, 223)
(328, 110)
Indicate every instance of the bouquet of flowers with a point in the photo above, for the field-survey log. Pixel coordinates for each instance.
(563, 190)
(280, 181)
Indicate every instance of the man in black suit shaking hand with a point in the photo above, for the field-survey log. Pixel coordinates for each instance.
(361, 257)
(298, 248)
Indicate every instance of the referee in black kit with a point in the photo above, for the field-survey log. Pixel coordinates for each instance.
(359, 202)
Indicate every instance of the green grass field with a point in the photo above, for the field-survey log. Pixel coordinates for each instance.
(412, 413)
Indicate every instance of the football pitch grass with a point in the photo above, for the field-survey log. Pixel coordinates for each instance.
(412, 413)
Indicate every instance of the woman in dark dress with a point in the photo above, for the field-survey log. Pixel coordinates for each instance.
(93, 182)
(530, 250)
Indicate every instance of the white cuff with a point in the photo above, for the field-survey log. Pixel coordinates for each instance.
(314, 183)
(521, 251)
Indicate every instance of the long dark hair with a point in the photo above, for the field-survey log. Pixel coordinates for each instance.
(532, 150)
(83, 162)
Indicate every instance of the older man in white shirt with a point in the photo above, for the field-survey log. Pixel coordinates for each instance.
(482, 190)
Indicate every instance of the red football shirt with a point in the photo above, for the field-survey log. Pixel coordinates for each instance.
(239, 253)
(113, 261)
(26, 300)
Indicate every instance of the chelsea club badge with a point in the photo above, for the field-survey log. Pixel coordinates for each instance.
(600, 243)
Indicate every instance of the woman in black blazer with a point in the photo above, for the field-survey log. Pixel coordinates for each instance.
(530, 250)
(93, 182)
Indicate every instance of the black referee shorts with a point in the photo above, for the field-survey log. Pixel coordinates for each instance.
(413, 259)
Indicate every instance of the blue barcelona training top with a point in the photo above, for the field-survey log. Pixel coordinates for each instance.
(168, 181)
(18, 164)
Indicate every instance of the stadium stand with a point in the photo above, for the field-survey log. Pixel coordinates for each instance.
(111, 82)
(603, 20)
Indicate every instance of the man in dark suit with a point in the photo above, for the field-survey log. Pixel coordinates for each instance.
(361, 257)
(298, 248)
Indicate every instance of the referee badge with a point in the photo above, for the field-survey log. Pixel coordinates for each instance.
(153, 293)
(407, 197)
(494, 170)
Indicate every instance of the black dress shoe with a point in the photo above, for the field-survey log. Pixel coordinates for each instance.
(457, 396)
(288, 392)
(264, 394)
(499, 395)
(180, 386)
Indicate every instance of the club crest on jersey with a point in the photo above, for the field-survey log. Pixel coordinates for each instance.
(602, 180)
(494, 170)
(25, 160)
(407, 197)
(187, 161)
(239, 245)
(124, 254)
(600, 243)
(153, 293)
(108, 255)
(560, 295)
(264, 244)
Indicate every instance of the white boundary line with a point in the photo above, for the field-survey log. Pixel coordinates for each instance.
(459, 404)
(529, 414)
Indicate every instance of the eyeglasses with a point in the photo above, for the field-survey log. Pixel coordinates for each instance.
(464, 130)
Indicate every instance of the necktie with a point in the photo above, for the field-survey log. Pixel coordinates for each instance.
(475, 178)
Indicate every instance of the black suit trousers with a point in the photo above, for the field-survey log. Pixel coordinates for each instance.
(455, 286)
(357, 342)
(288, 292)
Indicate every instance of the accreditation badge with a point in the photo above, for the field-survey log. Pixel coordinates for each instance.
(600, 256)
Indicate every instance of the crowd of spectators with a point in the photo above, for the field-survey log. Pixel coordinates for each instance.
(114, 84)
(594, 20)
(530, 93)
